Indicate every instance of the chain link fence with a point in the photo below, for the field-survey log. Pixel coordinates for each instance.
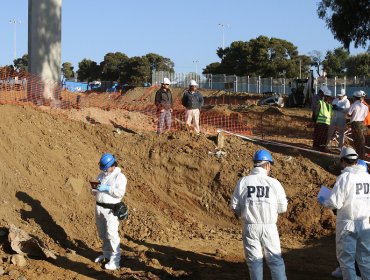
(249, 84)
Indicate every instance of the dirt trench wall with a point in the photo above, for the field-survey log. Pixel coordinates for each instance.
(176, 186)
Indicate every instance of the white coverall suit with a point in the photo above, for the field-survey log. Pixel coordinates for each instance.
(258, 199)
(351, 196)
(338, 119)
(107, 224)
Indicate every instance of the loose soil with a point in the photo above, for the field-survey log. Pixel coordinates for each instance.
(178, 192)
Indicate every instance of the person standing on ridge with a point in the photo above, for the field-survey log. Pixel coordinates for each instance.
(322, 122)
(358, 112)
(340, 106)
(257, 200)
(164, 103)
(315, 103)
(192, 100)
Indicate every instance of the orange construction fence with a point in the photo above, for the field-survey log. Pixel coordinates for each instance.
(109, 108)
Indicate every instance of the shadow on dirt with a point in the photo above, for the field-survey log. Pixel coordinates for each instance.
(310, 263)
(120, 127)
(315, 262)
(42, 217)
(92, 120)
(194, 265)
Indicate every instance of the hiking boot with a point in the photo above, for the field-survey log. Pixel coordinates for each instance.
(337, 273)
(111, 266)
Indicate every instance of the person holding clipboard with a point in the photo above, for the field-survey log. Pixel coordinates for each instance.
(351, 197)
(108, 191)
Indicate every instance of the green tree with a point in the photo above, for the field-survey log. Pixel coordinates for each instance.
(234, 59)
(21, 64)
(213, 68)
(359, 65)
(335, 63)
(88, 70)
(136, 71)
(112, 65)
(160, 63)
(67, 70)
(347, 20)
(262, 56)
(283, 56)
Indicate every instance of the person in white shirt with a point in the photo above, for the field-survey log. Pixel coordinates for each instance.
(358, 112)
(257, 200)
(351, 196)
(109, 193)
(340, 106)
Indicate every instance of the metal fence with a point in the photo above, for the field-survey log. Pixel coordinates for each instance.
(249, 84)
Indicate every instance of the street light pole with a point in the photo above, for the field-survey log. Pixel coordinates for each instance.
(15, 22)
(196, 69)
(223, 25)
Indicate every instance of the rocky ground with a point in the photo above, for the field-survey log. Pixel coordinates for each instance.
(180, 226)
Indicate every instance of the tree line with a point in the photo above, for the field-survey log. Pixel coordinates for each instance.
(115, 67)
(119, 67)
(274, 57)
(262, 56)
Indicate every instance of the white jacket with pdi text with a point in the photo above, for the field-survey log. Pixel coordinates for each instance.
(351, 196)
(258, 198)
(117, 182)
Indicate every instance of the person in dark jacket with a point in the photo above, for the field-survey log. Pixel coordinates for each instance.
(192, 100)
(164, 103)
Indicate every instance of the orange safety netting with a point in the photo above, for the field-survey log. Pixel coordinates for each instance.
(118, 109)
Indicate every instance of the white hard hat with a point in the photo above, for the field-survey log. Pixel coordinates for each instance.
(327, 92)
(342, 92)
(166, 81)
(359, 93)
(193, 83)
(348, 153)
(324, 87)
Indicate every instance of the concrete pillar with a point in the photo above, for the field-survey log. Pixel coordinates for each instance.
(44, 48)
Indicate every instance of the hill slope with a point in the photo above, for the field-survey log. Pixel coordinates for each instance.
(178, 193)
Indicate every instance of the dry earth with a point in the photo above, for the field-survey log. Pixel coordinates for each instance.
(178, 193)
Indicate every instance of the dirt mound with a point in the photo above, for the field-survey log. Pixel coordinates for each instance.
(178, 194)
(273, 110)
(222, 109)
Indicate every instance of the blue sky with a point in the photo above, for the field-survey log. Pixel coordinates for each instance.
(184, 31)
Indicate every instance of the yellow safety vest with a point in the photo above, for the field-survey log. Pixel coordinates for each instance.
(325, 113)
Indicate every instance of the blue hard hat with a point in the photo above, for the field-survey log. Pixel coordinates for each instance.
(106, 161)
(363, 163)
(263, 155)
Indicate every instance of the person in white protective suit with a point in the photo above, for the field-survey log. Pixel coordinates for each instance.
(257, 200)
(341, 106)
(110, 191)
(337, 273)
(351, 196)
